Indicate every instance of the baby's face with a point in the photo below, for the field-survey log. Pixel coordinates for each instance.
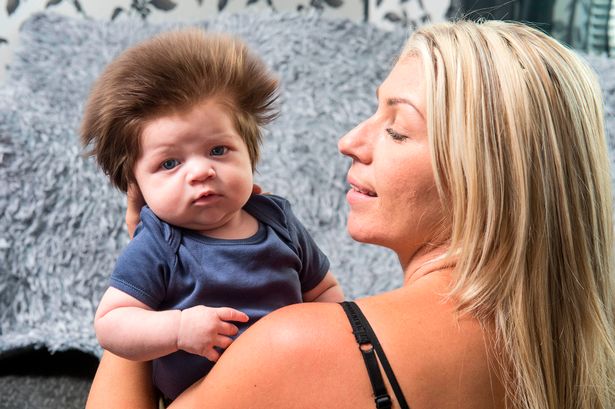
(194, 169)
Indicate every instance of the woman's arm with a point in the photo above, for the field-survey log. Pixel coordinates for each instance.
(120, 383)
(285, 360)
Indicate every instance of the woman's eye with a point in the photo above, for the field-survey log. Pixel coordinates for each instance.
(395, 135)
(218, 150)
(169, 164)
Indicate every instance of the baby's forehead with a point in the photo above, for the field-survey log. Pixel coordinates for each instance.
(203, 122)
(221, 104)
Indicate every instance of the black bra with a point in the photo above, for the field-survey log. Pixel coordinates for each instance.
(370, 347)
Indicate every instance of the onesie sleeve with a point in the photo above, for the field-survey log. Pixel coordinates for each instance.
(314, 263)
(143, 267)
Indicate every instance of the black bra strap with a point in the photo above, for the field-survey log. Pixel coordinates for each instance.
(368, 342)
(382, 398)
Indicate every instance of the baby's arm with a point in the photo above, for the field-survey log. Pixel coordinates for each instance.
(129, 328)
(328, 290)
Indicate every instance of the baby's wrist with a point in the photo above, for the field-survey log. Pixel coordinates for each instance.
(179, 337)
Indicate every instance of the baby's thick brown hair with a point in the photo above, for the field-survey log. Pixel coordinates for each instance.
(173, 72)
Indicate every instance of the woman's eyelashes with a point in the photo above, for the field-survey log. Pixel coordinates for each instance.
(396, 135)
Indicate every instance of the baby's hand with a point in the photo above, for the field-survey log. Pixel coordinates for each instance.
(203, 328)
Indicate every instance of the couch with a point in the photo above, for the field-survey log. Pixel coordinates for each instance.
(61, 224)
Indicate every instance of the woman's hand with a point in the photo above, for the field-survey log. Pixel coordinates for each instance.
(135, 202)
(257, 190)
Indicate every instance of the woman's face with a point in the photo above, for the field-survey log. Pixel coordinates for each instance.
(393, 198)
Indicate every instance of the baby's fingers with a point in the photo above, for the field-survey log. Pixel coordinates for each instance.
(219, 341)
(231, 314)
(223, 342)
(212, 355)
(226, 328)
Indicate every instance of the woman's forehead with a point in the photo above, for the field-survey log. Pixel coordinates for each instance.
(405, 84)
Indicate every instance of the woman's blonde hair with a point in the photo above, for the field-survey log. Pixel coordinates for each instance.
(516, 127)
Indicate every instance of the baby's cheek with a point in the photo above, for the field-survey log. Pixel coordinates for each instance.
(161, 201)
(242, 184)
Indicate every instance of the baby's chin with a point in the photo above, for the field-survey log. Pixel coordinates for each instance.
(174, 220)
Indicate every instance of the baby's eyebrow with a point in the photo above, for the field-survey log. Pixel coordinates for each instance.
(163, 145)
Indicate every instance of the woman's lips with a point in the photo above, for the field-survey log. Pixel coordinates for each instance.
(354, 196)
(363, 191)
(358, 193)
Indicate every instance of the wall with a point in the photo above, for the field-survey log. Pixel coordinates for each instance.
(386, 14)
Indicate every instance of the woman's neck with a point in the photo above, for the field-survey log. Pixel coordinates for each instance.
(425, 261)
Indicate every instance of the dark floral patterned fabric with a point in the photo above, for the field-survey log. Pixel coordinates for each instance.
(587, 25)
(385, 14)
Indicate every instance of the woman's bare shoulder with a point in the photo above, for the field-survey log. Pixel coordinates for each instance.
(298, 329)
(303, 353)
(306, 354)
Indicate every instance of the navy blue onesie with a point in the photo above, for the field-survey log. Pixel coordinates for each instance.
(167, 267)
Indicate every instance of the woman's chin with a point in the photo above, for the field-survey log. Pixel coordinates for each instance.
(361, 233)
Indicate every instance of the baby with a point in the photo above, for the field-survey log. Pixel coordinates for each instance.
(179, 117)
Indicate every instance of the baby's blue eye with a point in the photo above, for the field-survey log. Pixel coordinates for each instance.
(170, 164)
(219, 150)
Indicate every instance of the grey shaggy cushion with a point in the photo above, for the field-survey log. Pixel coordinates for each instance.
(61, 224)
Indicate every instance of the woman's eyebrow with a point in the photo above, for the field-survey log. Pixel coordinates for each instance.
(396, 101)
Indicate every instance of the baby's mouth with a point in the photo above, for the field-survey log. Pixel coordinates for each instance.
(205, 197)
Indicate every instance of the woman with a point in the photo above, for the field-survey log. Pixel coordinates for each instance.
(485, 170)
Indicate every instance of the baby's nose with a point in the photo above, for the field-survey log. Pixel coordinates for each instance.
(201, 170)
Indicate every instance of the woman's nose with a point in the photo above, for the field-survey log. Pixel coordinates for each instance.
(200, 170)
(355, 143)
